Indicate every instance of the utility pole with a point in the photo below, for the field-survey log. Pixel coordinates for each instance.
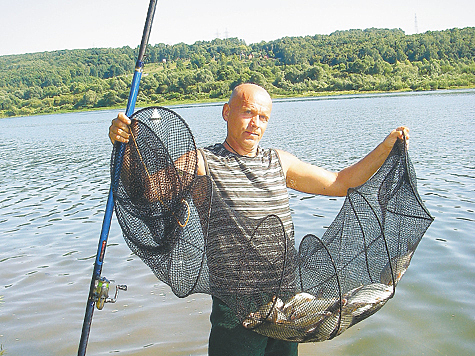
(416, 28)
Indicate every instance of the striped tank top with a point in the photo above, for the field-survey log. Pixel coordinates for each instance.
(252, 186)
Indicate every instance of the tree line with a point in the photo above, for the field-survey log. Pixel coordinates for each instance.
(354, 60)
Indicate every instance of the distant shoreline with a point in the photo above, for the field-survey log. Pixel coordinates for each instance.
(220, 101)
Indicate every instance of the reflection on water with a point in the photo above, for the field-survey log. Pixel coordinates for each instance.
(53, 190)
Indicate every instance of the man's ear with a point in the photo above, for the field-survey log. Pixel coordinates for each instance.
(225, 112)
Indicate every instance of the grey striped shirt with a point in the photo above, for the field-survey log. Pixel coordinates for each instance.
(253, 186)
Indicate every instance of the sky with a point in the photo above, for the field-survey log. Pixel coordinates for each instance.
(28, 26)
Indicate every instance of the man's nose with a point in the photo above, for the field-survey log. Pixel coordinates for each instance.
(255, 120)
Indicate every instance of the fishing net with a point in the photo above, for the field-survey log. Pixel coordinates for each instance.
(180, 226)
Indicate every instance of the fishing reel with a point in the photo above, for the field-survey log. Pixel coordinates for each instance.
(101, 292)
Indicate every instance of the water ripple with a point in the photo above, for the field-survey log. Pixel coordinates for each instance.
(53, 192)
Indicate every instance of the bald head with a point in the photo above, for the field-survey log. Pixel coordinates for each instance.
(249, 92)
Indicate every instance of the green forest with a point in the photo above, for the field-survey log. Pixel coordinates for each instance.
(371, 60)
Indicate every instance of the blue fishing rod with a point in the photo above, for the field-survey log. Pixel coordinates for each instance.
(99, 289)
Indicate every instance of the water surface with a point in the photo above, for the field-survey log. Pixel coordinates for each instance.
(53, 191)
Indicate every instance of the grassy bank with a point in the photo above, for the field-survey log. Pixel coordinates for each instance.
(218, 101)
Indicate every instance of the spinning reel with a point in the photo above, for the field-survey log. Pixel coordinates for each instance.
(101, 292)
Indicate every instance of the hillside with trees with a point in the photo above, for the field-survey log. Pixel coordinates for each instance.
(344, 61)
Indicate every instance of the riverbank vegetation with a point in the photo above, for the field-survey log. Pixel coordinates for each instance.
(356, 61)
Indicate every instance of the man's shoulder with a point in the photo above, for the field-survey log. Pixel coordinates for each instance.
(216, 149)
(212, 147)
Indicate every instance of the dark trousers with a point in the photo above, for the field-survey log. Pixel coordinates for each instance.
(229, 338)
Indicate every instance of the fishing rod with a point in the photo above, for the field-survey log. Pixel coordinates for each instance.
(99, 289)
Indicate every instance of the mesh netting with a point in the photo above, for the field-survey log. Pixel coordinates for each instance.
(178, 224)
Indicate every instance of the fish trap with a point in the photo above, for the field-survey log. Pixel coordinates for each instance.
(180, 226)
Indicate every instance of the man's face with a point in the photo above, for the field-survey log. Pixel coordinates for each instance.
(247, 115)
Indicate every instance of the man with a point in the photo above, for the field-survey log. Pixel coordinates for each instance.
(253, 181)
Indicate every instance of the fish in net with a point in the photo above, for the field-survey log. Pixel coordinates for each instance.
(180, 226)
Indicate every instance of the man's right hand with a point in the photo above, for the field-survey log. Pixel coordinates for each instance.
(119, 129)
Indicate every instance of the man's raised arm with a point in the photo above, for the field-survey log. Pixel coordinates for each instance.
(311, 179)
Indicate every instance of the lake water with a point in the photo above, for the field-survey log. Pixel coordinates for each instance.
(53, 191)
